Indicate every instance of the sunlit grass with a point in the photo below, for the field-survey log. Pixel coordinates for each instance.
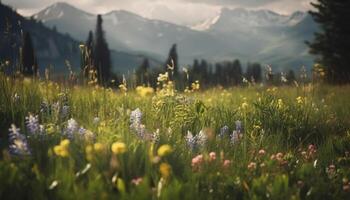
(92, 143)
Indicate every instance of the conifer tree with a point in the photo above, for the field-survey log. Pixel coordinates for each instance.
(28, 60)
(332, 43)
(102, 61)
(172, 61)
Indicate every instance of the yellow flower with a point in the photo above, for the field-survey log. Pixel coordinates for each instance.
(50, 128)
(244, 105)
(62, 149)
(165, 170)
(279, 103)
(118, 148)
(65, 143)
(164, 150)
(300, 100)
(98, 147)
(144, 91)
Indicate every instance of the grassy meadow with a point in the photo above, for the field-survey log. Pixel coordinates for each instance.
(257, 142)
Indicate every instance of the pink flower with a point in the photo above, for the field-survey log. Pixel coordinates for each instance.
(279, 156)
(273, 157)
(227, 163)
(262, 152)
(252, 166)
(137, 181)
(212, 156)
(197, 161)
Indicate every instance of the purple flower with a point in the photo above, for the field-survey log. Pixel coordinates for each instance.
(135, 120)
(18, 144)
(135, 116)
(198, 140)
(238, 126)
(234, 137)
(224, 131)
(32, 124)
(201, 138)
(190, 140)
(72, 127)
(65, 111)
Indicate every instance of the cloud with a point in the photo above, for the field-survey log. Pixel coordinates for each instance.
(241, 3)
(176, 11)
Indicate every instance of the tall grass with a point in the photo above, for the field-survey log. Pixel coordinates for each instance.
(289, 142)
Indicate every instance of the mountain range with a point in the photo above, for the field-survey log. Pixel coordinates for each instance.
(249, 35)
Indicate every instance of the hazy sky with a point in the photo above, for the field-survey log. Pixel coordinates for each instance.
(176, 11)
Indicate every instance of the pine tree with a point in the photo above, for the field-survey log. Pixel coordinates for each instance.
(28, 60)
(102, 61)
(332, 44)
(237, 72)
(290, 76)
(172, 61)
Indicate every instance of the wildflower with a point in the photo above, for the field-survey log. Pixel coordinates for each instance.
(226, 163)
(244, 105)
(62, 149)
(163, 77)
(118, 148)
(234, 137)
(165, 170)
(82, 131)
(212, 156)
(331, 170)
(65, 111)
(224, 131)
(197, 162)
(190, 140)
(238, 126)
(279, 103)
(98, 147)
(300, 100)
(202, 138)
(72, 127)
(137, 181)
(18, 142)
(123, 87)
(96, 120)
(135, 118)
(195, 86)
(155, 136)
(279, 156)
(144, 91)
(252, 166)
(164, 150)
(262, 152)
(32, 123)
(273, 157)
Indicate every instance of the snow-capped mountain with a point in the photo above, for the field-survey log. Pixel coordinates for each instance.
(250, 35)
(227, 19)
